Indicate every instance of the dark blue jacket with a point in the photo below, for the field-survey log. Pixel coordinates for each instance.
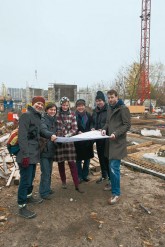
(84, 149)
(48, 128)
(99, 117)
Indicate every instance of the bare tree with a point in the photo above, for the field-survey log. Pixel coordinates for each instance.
(126, 82)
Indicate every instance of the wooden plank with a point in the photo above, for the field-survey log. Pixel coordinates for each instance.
(11, 176)
(4, 138)
(16, 177)
(144, 144)
(3, 175)
(136, 109)
(94, 163)
(4, 163)
(153, 166)
(153, 139)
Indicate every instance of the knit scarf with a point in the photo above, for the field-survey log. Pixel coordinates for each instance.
(83, 118)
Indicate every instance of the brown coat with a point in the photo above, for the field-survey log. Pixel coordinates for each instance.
(118, 122)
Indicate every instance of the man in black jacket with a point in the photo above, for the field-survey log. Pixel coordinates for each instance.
(29, 154)
(99, 119)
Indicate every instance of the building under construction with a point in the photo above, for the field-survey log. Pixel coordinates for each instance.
(56, 91)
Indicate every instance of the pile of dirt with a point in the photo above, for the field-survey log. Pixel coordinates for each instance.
(74, 219)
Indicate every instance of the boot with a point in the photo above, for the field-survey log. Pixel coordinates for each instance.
(80, 191)
(34, 200)
(64, 186)
(51, 192)
(47, 197)
(24, 212)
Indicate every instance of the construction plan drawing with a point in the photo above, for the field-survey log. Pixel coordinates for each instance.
(90, 135)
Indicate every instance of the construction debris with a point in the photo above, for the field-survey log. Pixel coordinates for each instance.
(146, 132)
(3, 138)
(154, 158)
(161, 152)
(8, 166)
(146, 209)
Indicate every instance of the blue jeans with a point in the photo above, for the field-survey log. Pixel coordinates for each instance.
(26, 183)
(114, 169)
(46, 172)
(83, 171)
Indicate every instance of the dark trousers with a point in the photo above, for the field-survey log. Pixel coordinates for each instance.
(83, 170)
(46, 173)
(73, 170)
(104, 162)
(26, 183)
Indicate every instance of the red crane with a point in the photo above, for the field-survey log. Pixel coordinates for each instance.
(144, 84)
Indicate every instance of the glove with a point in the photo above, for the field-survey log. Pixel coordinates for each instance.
(25, 162)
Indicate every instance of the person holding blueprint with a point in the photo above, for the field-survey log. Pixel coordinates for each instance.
(66, 127)
(84, 149)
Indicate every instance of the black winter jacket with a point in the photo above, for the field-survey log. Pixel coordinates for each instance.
(48, 128)
(99, 117)
(28, 136)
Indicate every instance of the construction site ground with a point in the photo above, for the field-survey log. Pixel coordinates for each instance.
(74, 219)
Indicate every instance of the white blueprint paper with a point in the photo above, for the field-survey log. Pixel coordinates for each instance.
(90, 135)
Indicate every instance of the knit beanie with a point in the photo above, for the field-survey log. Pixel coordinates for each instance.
(38, 99)
(100, 95)
(63, 100)
(80, 102)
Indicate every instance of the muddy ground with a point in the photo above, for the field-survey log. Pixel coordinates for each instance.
(88, 220)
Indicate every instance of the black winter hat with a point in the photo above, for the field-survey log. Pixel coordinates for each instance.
(100, 95)
(80, 101)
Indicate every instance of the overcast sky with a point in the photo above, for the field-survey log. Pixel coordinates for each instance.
(73, 41)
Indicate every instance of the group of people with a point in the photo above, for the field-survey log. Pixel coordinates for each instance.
(37, 136)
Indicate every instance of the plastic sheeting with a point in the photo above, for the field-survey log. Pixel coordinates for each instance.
(146, 132)
(152, 157)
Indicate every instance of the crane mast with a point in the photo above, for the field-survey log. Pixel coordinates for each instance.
(144, 84)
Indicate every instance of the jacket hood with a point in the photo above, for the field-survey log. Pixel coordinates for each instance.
(117, 105)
